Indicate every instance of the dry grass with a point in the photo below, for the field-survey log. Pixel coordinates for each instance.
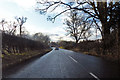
(11, 59)
(110, 57)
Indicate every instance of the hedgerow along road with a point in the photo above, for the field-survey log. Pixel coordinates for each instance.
(65, 64)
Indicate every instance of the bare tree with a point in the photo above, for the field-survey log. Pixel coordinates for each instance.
(97, 10)
(9, 27)
(21, 21)
(2, 23)
(12, 31)
(78, 26)
(41, 37)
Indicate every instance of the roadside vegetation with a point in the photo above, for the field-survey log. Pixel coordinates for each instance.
(82, 16)
(18, 47)
(91, 47)
(83, 20)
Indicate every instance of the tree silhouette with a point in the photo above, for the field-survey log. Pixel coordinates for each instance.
(21, 21)
(96, 10)
(41, 37)
(78, 26)
(2, 23)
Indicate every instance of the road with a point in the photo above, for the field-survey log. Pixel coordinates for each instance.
(65, 64)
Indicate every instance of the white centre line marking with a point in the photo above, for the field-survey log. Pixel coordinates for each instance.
(73, 59)
(94, 76)
(85, 69)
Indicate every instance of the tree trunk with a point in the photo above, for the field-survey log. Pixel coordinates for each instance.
(118, 41)
(102, 8)
(105, 38)
(76, 41)
(119, 33)
(20, 30)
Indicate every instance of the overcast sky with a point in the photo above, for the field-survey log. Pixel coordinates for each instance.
(35, 22)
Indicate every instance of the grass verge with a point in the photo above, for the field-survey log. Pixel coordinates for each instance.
(110, 57)
(12, 59)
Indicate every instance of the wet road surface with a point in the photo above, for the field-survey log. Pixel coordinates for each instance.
(65, 64)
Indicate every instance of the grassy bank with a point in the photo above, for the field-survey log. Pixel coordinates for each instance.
(15, 58)
(94, 48)
(16, 49)
(110, 57)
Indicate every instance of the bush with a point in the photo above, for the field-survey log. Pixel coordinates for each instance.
(15, 44)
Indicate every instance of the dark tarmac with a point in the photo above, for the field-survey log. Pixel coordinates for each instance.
(65, 64)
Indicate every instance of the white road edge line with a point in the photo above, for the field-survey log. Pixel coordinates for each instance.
(73, 59)
(94, 76)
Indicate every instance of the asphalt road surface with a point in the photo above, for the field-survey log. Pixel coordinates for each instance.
(65, 64)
